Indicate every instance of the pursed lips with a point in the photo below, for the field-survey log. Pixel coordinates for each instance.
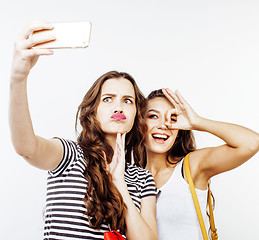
(118, 116)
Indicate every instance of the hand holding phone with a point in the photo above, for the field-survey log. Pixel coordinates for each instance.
(68, 35)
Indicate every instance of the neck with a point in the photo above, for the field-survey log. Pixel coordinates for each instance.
(111, 138)
(156, 162)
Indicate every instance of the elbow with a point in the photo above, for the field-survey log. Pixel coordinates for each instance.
(25, 150)
(155, 237)
(143, 236)
(253, 146)
(256, 147)
(152, 236)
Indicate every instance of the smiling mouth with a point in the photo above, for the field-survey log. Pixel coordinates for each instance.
(160, 138)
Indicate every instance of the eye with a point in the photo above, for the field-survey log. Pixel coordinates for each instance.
(152, 116)
(173, 118)
(107, 99)
(128, 101)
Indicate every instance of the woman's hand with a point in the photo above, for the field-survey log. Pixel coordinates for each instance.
(25, 56)
(117, 166)
(182, 116)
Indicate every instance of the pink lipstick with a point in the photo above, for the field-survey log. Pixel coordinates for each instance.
(118, 116)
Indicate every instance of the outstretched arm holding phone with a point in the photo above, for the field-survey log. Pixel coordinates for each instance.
(42, 153)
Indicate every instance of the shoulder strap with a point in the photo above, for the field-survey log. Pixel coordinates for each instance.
(197, 206)
(214, 234)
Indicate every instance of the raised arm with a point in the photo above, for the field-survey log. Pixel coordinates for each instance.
(42, 153)
(140, 225)
(241, 143)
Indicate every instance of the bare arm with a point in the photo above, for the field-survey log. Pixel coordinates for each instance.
(42, 153)
(140, 225)
(241, 143)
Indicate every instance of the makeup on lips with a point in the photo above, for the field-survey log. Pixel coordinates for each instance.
(160, 137)
(118, 116)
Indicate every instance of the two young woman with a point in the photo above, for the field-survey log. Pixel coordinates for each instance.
(90, 188)
(168, 140)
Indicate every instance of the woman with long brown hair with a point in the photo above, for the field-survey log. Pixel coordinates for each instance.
(91, 185)
(168, 140)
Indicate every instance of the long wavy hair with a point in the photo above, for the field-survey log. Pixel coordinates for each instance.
(184, 142)
(103, 201)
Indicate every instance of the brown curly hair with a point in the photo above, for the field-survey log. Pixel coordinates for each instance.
(184, 142)
(103, 201)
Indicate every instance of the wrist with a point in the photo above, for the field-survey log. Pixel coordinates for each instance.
(120, 183)
(18, 78)
(200, 124)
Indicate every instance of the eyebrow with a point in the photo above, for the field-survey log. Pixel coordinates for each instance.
(114, 95)
(153, 110)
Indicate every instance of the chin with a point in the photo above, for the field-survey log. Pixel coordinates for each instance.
(118, 130)
(159, 149)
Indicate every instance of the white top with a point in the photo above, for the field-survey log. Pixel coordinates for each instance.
(176, 214)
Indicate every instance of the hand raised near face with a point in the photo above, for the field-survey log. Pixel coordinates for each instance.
(117, 165)
(182, 116)
(25, 56)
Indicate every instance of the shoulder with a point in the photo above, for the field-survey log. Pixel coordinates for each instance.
(137, 171)
(142, 177)
(69, 145)
(72, 153)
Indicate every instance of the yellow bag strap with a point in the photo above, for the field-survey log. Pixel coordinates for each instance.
(214, 235)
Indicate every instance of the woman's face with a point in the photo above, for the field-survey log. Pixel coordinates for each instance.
(159, 139)
(117, 109)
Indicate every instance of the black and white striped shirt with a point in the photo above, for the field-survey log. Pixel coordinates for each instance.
(65, 216)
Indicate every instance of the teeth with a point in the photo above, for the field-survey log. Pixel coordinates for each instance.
(160, 136)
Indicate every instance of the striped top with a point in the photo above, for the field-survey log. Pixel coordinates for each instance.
(65, 216)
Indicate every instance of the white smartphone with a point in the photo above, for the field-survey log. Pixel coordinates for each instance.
(68, 35)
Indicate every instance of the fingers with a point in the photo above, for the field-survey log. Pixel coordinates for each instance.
(123, 136)
(170, 96)
(177, 98)
(180, 97)
(38, 38)
(34, 26)
(35, 33)
(38, 52)
(171, 118)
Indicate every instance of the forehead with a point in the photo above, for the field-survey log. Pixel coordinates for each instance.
(160, 104)
(118, 86)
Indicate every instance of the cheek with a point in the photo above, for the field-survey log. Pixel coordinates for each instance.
(150, 124)
(132, 114)
(98, 112)
(101, 113)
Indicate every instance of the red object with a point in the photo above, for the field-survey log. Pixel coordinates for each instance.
(113, 235)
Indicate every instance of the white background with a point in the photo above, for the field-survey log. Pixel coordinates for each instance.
(207, 49)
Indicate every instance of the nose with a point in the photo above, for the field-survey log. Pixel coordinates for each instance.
(162, 126)
(118, 107)
(118, 111)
